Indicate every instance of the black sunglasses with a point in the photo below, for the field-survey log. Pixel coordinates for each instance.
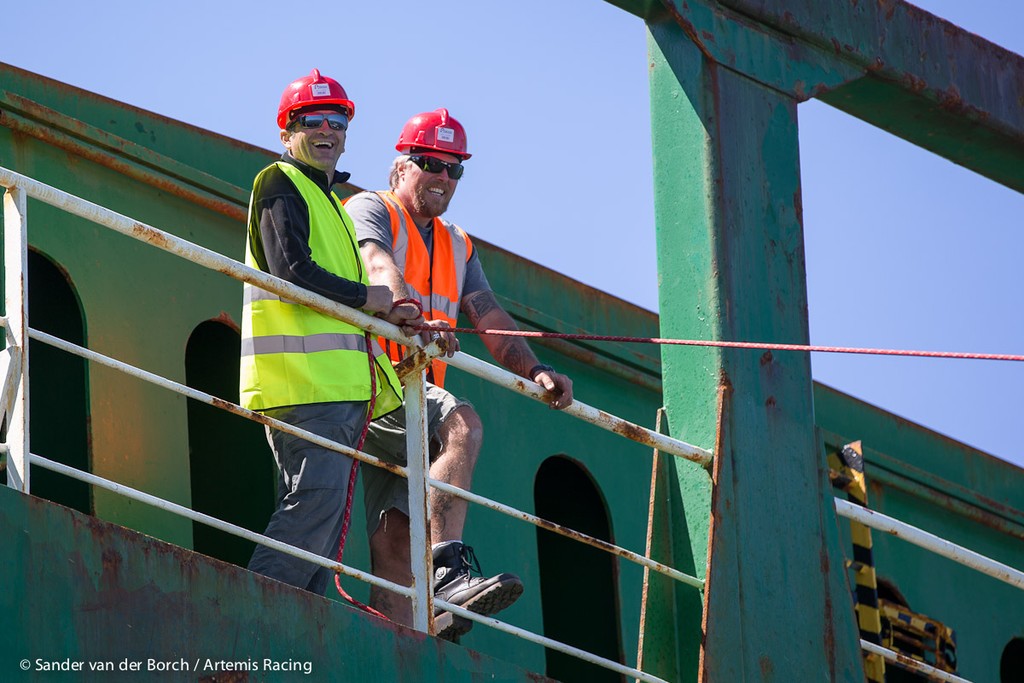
(336, 121)
(435, 165)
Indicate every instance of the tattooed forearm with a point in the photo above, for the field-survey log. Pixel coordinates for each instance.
(480, 304)
(515, 355)
(511, 352)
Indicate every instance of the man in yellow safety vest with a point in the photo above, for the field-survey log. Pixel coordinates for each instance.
(298, 365)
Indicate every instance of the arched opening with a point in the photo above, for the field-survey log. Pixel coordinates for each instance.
(58, 386)
(1011, 664)
(578, 583)
(231, 468)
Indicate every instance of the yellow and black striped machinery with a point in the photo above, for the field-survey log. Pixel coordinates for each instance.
(846, 471)
(917, 636)
(883, 620)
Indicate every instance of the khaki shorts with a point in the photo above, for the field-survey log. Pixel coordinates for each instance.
(383, 490)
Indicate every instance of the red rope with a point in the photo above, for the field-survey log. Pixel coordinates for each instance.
(352, 476)
(608, 338)
(735, 345)
(354, 472)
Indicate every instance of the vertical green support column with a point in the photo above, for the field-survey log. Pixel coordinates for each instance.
(731, 267)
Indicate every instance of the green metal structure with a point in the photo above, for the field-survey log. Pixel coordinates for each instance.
(110, 579)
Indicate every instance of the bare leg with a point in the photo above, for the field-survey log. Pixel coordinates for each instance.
(389, 556)
(461, 436)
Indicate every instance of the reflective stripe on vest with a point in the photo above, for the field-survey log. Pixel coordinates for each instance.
(293, 355)
(313, 343)
(437, 283)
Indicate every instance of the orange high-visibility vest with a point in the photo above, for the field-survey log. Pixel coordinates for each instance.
(437, 284)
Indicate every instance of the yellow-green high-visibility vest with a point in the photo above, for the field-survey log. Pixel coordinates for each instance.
(293, 355)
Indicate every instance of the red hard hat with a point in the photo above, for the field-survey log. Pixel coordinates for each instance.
(310, 91)
(433, 130)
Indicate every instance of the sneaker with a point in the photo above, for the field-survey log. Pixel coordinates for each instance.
(454, 581)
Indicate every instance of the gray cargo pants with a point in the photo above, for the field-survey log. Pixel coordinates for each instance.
(311, 490)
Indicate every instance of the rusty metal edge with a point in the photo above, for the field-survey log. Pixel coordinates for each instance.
(123, 165)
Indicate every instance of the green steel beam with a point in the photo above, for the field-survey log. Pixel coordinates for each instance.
(645, 9)
(918, 52)
(800, 69)
(926, 80)
(731, 263)
(889, 63)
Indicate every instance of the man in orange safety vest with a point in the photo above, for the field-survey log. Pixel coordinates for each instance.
(408, 247)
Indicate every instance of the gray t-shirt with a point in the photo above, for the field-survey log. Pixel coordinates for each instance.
(373, 224)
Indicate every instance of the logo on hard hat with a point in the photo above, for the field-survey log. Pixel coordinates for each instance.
(320, 90)
(446, 134)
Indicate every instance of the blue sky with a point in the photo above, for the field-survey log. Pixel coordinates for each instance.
(904, 249)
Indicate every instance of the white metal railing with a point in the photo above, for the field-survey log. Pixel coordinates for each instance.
(14, 400)
(937, 545)
(14, 404)
(911, 663)
(162, 504)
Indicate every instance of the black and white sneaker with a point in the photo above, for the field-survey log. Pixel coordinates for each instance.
(458, 580)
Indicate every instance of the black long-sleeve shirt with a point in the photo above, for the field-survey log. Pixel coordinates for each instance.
(279, 234)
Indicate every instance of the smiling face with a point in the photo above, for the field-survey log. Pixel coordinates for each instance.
(319, 147)
(424, 194)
